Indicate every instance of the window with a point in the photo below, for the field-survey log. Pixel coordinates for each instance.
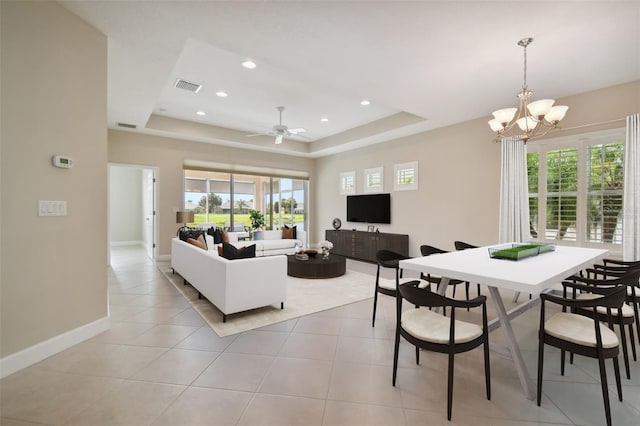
(224, 199)
(575, 189)
(373, 180)
(406, 176)
(348, 183)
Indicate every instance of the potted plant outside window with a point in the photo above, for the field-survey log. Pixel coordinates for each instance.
(257, 222)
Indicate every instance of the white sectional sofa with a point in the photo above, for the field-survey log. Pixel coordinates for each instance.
(231, 285)
(272, 243)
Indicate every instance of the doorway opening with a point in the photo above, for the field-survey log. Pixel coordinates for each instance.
(132, 208)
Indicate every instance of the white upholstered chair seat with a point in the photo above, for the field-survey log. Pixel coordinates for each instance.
(579, 329)
(432, 327)
(391, 284)
(631, 290)
(627, 311)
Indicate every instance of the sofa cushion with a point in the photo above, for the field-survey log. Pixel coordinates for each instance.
(278, 244)
(290, 233)
(229, 251)
(194, 234)
(199, 242)
(216, 233)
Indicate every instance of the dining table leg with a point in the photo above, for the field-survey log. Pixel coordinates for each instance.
(512, 345)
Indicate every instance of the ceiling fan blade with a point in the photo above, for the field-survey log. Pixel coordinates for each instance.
(279, 139)
(296, 130)
(257, 134)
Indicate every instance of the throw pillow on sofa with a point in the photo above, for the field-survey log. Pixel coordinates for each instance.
(194, 234)
(289, 233)
(216, 233)
(199, 242)
(229, 251)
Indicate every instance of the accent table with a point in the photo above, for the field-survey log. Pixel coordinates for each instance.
(316, 267)
(531, 275)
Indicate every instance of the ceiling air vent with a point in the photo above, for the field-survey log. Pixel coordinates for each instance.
(187, 85)
(127, 125)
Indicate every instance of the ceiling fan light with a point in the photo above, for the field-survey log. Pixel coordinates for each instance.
(540, 108)
(505, 115)
(279, 139)
(527, 124)
(495, 125)
(556, 114)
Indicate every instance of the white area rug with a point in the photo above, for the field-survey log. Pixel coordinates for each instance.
(304, 297)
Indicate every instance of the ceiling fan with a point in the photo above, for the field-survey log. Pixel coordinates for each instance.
(280, 130)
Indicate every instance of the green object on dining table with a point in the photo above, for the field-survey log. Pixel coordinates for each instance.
(520, 251)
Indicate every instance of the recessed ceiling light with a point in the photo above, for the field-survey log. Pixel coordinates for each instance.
(365, 102)
(201, 113)
(248, 64)
(221, 94)
(324, 119)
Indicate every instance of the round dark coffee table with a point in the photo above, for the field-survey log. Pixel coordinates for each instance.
(316, 267)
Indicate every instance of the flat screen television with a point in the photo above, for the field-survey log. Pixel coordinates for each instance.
(369, 208)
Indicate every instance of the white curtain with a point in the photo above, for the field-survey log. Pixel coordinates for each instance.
(514, 192)
(631, 198)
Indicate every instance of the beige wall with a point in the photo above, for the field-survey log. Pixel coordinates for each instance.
(459, 179)
(54, 83)
(169, 155)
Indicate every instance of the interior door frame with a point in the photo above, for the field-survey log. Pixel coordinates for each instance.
(155, 171)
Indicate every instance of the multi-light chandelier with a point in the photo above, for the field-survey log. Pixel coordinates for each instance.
(530, 119)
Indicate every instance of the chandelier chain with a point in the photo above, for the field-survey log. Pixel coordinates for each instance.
(524, 84)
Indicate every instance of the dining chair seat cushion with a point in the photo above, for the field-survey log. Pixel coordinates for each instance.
(632, 290)
(579, 329)
(432, 327)
(627, 311)
(391, 284)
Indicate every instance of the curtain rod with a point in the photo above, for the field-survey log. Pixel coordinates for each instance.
(591, 124)
(562, 129)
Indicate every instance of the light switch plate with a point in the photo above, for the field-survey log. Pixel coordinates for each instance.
(52, 208)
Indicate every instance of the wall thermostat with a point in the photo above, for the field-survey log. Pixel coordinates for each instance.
(62, 161)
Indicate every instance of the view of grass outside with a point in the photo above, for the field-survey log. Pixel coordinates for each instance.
(226, 199)
(221, 219)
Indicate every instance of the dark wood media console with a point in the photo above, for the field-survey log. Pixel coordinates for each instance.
(361, 245)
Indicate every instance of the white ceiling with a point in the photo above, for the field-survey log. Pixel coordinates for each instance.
(423, 65)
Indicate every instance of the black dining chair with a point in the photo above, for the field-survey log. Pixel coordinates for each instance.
(616, 268)
(461, 245)
(575, 333)
(626, 315)
(431, 331)
(427, 250)
(389, 259)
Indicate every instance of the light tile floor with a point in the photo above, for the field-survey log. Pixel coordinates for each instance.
(159, 364)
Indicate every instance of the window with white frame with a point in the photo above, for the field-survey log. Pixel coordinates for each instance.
(373, 180)
(405, 176)
(348, 183)
(575, 189)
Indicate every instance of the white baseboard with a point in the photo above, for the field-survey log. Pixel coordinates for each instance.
(127, 243)
(36, 353)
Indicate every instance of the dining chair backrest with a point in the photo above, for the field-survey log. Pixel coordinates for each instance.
(461, 245)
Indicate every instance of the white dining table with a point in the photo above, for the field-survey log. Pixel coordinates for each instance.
(530, 275)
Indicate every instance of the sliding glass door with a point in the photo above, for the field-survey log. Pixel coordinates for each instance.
(224, 199)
